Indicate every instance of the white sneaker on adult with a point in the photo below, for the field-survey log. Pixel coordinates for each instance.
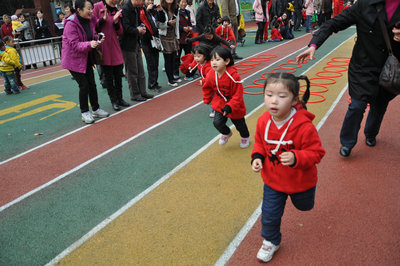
(244, 142)
(100, 113)
(212, 114)
(267, 251)
(87, 118)
(224, 138)
(173, 84)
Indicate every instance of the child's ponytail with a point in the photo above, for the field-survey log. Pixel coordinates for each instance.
(306, 94)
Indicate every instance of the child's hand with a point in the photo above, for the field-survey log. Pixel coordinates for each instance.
(287, 158)
(257, 165)
(232, 46)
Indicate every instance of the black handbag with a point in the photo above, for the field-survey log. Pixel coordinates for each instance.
(389, 78)
(98, 56)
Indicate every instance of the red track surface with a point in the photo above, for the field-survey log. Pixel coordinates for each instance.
(356, 217)
(42, 165)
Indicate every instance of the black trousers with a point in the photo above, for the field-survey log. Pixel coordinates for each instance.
(87, 89)
(240, 124)
(152, 60)
(113, 81)
(170, 65)
(260, 31)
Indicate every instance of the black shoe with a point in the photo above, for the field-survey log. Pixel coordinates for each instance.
(370, 142)
(115, 106)
(148, 96)
(235, 56)
(123, 103)
(258, 42)
(344, 151)
(139, 99)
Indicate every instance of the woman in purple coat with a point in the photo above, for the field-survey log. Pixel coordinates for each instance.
(79, 40)
(108, 21)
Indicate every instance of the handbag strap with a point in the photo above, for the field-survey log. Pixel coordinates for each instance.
(383, 28)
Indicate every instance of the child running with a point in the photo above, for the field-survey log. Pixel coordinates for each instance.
(286, 149)
(224, 82)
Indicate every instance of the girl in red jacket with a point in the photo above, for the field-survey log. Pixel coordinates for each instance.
(286, 149)
(224, 83)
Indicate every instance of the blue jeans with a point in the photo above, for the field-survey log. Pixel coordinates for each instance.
(354, 116)
(273, 206)
(10, 82)
(308, 23)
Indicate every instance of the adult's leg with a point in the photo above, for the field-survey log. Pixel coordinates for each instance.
(141, 75)
(273, 206)
(93, 98)
(377, 110)
(150, 62)
(220, 123)
(352, 122)
(241, 126)
(83, 85)
(117, 73)
(131, 73)
(108, 72)
(258, 33)
(169, 69)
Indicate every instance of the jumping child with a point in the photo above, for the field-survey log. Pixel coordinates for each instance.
(286, 149)
(224, 82)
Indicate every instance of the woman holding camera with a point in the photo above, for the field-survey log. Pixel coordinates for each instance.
(79, 40)
(108, 21)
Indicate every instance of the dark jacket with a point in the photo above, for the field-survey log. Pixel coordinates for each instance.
(146, 38)
(326, 6)
(369, 52)
(214, 42)
(184, 23)
(43, 31)
(206, 15)
(130, 22)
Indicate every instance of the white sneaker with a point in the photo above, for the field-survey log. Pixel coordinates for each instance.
(244, 142)
(173, 84)
(224, 138)
(100, 113)
(267, 251)
(87, 118)
(212, 114)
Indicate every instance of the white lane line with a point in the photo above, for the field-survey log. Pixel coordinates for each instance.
(230, 250)
(126, 109)
(235, 243)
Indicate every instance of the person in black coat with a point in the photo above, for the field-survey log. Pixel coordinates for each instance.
(130, 46)
(42, 26)
(369, 56)
(207, 15)
(147, 16)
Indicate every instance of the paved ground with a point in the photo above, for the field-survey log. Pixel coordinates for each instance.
(150, 186)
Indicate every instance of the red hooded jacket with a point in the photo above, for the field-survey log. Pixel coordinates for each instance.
(225, 33)
(301, 138)
(228, 92)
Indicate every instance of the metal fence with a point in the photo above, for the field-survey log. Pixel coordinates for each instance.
(39, 51)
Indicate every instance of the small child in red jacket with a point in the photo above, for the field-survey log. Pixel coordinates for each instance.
(224, 83)
(276, 35)
(286, 150)
(226, 33)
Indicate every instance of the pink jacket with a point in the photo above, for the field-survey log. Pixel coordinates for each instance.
(259, 11)
(75, 45)
(111, 48)
(309, 7)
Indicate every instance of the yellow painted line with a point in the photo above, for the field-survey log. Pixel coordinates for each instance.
(193, 216)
